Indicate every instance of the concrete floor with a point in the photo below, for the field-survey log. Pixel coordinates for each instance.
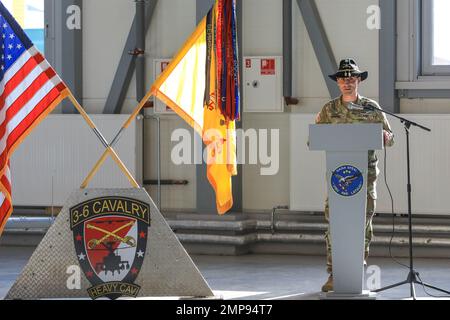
(264, 277)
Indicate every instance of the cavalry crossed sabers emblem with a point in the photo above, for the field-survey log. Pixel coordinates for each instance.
(128, 240)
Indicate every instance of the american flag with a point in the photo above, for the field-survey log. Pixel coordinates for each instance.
(29, 90)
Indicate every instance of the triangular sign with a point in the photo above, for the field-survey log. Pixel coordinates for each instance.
(109, 243)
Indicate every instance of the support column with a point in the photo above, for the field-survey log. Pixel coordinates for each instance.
(320, 43)
(127, 63)
(140, 45)
(287, 48)
(388, 56)
(68, 47)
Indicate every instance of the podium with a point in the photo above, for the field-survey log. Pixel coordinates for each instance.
(347, 147)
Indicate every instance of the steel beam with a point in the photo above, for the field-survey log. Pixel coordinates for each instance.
(388, 56)
(127, 65)
(202, 9)
(140, 46)
(287, 48)
(49, 21)
(67, 53)
(320, 43)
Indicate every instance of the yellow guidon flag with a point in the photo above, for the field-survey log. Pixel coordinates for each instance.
(201, 85)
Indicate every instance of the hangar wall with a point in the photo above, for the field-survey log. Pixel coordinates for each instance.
(106, 24)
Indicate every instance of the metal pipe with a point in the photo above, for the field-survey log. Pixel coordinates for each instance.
(21, 223)
(287, 48)
(255, 226)
(272, 216)
(18, 210)
(208, 239)
(159, 162)
(140, 46)
(166, 182)
(158, 181)
(142, 118)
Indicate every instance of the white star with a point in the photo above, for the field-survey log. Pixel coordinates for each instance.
(3, 46)
(3, 36)
(5, 26)
(3, 67)
(10, 46)
(9, 57)
(3, 56)
(19, 46)
(81, 256)
(140, 254)
(12, 36)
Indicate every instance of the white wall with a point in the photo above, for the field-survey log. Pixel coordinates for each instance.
(345, 24)
(56, 158)
(105, 29)
(172, 197)
(263, 36)
(106, 25)
(430, 154)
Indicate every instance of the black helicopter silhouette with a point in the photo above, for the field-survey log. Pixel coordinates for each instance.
(113, 261)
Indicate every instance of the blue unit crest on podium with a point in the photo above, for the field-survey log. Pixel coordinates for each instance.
(347, 181)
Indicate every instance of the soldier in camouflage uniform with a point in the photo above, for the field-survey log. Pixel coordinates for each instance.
(348, 79)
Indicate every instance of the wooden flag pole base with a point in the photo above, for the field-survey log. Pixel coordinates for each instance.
(109, 150)
(94, 170)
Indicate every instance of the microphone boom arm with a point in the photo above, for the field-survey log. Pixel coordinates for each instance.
(405, 121)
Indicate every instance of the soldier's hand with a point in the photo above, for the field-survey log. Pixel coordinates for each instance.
(386, 136)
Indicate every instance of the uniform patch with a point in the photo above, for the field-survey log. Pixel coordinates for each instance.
(347, 181)
(110, 236)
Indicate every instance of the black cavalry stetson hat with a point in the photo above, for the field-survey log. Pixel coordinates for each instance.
(349, 68)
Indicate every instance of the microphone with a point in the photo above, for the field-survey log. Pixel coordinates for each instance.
(354, 106)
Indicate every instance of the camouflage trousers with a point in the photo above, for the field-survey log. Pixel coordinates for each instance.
(370, 212)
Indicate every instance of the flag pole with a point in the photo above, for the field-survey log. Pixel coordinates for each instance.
(109, 150)
(116, 138)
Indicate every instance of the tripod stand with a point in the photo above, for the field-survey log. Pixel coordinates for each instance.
(413, 275)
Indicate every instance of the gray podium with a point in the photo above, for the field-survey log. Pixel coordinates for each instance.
(347, 147)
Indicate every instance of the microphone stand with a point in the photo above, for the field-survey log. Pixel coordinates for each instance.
(413, 276)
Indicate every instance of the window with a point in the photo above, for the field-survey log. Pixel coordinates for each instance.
(436, 38)
(30, 15)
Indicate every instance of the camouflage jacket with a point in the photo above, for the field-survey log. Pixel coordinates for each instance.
(336, 112)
